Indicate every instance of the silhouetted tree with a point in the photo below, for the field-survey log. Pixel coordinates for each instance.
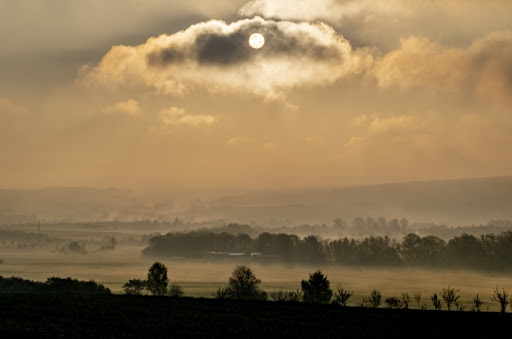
(341, 296)
(134, 286)
(175, 291)
(417, 298)
(502, 298)
(405, 299)
(436, 302)
(450, 296)
(477, 302)
(393, 302)
(295, 296)
(220, 293)
(375, 299)
(157, 279)
(316, 289)
(244, 285)
(279, 296)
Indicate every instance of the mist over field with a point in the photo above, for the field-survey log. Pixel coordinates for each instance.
(111, 236)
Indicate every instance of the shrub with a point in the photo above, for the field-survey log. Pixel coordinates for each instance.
(341, 296)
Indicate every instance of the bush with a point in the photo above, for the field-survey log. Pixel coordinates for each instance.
(450, 296)
(341, 296)
(134, 286)
(393, 302)
(176, 291)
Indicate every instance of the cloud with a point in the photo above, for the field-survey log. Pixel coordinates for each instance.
(484, 68)
(394, 123)
(216, 56)
(7, 106)
(310, 10)
(237, 141)
(354, 142)
(129, 106)
(177, 116)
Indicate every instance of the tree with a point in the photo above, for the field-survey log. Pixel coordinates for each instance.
(316, 289)
(175, 291)
(244, 285)
(393, 302)
(157, 279)
(477, 302)
(417, 298)
(220, 293)
(375, 299)
(341, 296)
(279, 296)
(134, 286)
(502, 298)
(450, 296)
(405, 299)
(436, 302)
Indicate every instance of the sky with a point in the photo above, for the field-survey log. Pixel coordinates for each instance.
(168, 96)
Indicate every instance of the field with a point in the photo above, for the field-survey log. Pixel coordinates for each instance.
(143, 316)
(201, 278)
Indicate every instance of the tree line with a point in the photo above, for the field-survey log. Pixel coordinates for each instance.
(487, 252)
(244, 285)
(51, 285)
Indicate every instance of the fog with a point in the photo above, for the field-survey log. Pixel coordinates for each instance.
(28, 255)
(451, 202)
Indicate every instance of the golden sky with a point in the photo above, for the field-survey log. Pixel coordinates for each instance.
(168, 95)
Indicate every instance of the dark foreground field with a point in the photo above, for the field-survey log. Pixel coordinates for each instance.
(131, 316)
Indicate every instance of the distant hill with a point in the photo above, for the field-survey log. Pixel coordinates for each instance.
(74, 205)
(454, 202)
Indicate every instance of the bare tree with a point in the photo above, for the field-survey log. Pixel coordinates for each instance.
(436, 302)
(501, 297)
(341, 296)
(450, 296)
(220, 293)
(477, 303)
(417, 298)
(375, 298)
(279, 296)
(405, 299)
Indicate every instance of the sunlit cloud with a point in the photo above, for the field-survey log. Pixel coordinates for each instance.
(311, 10)
(176, 116)
(237, 140)
(484, 68)
(129, 106)
(216, 56)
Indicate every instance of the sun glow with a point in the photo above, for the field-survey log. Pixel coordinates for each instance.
(256, 41)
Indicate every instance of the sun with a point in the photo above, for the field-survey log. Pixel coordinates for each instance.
(257, 41)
